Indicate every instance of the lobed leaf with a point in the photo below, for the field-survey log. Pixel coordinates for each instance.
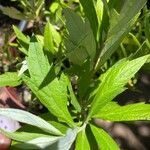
(113, 82)
(51, 92)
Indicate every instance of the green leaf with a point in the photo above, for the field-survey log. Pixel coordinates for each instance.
(23, 48)
(53, 97)
(113, 82)
(74, 100)
(84, 80)
(22, 40)
(144, 49)
(25, 136)
(10, 79)
(56, 36)
(103, 139)
(58, 143)
(51, 92)
(53, 121)
(38, 6)
(65, 143)
(147, 25)
(91, 15)
(114, 112)
(36, 131)
(82, 141)
(32, 129)
(91, 138)
(80, 42)
(20, 35)
(13, 13)
(28, 118)
(99, 10)
(119, 29)
(38, 64)
(48, 39)
(54, 6)
(37, 143)
(50, 119)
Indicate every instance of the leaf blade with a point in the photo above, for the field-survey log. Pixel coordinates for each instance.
(119, 30)
(82, 141)
(80, 42)
(74, 100)
(20, 35)
(65, 142)
(13, 13)
(28, 118)
(103, 139)
(56, 107)
(48, 39)
(37, 62)
(113, 82)
(37, 143)
(10, 79)
(23, 136)
(91, 15)
(51, 91)
(130, 112)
